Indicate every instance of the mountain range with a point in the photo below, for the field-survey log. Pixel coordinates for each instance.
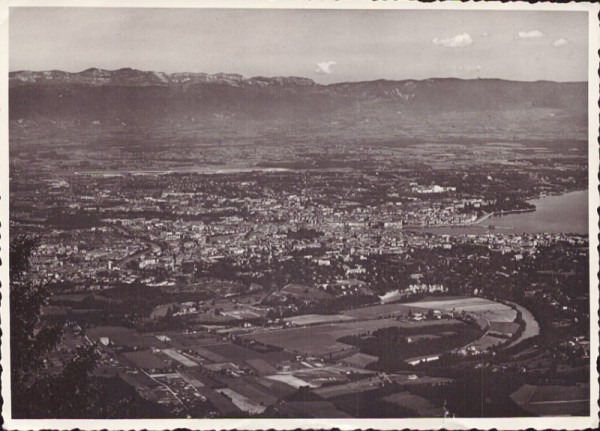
(134, 97)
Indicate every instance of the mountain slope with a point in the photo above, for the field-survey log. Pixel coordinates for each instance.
(132, 97)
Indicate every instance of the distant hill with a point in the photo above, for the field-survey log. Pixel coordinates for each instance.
(133, 97)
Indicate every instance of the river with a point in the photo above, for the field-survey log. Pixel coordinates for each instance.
(566, 213)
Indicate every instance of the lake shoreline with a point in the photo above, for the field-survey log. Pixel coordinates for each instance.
(554, 213)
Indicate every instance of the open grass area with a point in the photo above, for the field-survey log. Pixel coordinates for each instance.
(492, 311)
(304, 291)
(291, 380)
(419, 405)
(249, 388)
(349, 388)
(143, 359)
(504, 327)
(312, 319)
(183, 360)
(242, 402)
(241, 355)
(376, 311)
(554, 400)
(321, 340)
(241, 314)
(233, 352)
(487, 342)
(321, 376)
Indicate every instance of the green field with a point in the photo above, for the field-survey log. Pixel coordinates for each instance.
(418, 404)
(554, 400)
(313, 319)
(321, 340)
(492, 311)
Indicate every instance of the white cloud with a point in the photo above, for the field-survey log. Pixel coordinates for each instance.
(458, 41)
(560, 42)
(325, 67)
(533, 34)
(462, 68)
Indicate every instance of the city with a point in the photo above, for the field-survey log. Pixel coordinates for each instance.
(267, 290)
(223, 218)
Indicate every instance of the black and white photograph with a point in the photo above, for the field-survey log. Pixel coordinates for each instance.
(287, 214)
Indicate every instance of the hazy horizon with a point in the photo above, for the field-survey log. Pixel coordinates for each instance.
(491, 78)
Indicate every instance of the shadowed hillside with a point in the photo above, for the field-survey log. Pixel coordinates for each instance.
(128, 97)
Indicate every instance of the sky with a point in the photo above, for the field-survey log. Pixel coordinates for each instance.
(325, 45)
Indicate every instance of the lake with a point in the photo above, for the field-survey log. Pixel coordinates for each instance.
(566, 213)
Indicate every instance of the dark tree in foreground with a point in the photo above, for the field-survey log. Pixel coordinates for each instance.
(74, 392)
(34, 392)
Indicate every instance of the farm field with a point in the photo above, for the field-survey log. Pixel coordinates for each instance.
(143, 359)
(487, 342)
(499, 317)
(304, 291)
(376, 311)
(291, 380)
(492, 311)
(139, 380)
(208, 354)
(233, 352)
(349, 388)
(184, 340)
(124, 337)
(311, 409)
(424, 337)
(554, 400)
(183, 360)
(321, 376)
(312, 319)
(247, 387)
(404, 380)
(240, 355)
(242, 402)
(321, 340)
(418, 404)
(275, 388)
(192, 378)
(261, 366)
(245, 313)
